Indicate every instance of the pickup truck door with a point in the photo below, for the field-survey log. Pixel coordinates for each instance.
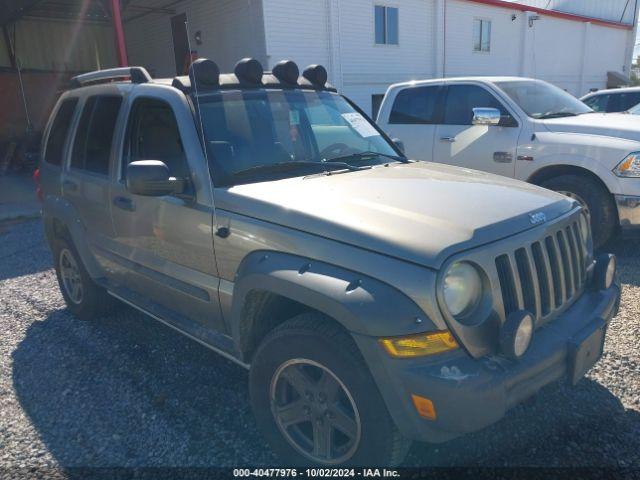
(481, 147)
(163, 249)
(411, 117)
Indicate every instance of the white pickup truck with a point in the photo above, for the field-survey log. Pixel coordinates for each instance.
(527, 129)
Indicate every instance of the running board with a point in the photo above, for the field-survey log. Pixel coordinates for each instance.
(219, 343)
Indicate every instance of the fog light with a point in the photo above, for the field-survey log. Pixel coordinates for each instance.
(604, 272)
(516, 334)
(424, 407)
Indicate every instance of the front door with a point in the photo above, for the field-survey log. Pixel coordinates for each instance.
(480, 147)
(164, 245)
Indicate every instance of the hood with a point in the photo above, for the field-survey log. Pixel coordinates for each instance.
(620, 125)
(419, 212)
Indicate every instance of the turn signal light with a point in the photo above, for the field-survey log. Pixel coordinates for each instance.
(419, 345)
(424, 407)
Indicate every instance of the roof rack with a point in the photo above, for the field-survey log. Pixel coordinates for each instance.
(136, 74)
(249, 74)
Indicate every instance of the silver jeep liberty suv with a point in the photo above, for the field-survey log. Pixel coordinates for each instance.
(375, 300)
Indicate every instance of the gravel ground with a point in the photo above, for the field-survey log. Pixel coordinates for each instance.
(125, 391)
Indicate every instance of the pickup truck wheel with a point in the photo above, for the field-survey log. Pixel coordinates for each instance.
(315, 400)
(84, 298)
(595, 199)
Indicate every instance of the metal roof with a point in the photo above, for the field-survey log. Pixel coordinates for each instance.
(83, 10)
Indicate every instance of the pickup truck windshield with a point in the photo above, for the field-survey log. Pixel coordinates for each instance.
(262, 135)
(543, 100)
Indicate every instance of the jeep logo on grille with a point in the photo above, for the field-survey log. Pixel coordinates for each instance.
(536, 218)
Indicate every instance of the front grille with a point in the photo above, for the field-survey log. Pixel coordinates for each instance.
(545, 276)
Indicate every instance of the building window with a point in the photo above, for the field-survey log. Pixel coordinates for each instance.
(386, 20)
(481, 35)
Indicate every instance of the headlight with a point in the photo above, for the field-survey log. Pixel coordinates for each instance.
(629, 167)
(462, 288)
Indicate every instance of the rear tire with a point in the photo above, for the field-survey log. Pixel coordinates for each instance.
(595, 197)
(309, 372)
(84, 298)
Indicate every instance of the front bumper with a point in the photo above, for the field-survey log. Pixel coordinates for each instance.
(470, 394)
(628, 211)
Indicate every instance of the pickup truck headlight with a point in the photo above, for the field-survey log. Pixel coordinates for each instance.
(461, 288)
(629, 167)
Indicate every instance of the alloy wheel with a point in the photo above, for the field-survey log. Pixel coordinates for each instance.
(315, 411)
(71, 279)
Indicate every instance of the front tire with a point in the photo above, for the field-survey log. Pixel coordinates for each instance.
(315, 400)
(84, 298)
(594, 198)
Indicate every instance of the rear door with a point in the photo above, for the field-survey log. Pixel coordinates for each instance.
(85, 181)
(164, 245)
(481, 147)
(412, 119)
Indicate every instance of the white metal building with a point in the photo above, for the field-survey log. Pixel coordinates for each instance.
(368, 44)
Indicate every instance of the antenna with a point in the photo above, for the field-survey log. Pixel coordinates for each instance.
(204, 140)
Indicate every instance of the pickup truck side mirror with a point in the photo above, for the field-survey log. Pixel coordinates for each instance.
(486, 116)
(399, 144)
(151, 178)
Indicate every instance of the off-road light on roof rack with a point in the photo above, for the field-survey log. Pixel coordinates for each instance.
(249, 70)
(316, 74)
(204, 73)
(287, 72)
(136, 74)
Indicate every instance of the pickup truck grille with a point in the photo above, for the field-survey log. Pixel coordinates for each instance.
(546, 276)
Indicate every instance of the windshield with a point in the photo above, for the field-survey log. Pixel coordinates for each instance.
(542, 100)
(262, 135)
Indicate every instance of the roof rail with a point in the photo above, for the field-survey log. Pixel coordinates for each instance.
(136, 74)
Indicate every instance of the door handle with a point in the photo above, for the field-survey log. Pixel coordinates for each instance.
(502, 157)
(448, 139)
(124, 203)
(70, 185)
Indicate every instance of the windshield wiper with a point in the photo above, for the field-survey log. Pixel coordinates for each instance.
(365, 155)
(293, 165)
(557, 115)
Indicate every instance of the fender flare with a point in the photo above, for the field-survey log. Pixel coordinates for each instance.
(361, 304)
(591, 165)
(58, 209)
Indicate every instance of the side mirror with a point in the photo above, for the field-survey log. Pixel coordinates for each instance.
(486, 116)
(399, 144)
(151, 178)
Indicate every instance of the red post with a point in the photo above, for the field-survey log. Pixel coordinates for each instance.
(121, 46)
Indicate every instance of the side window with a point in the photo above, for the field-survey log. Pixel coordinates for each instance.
(386, 25)
(481, 35)
(462, 99)
(598, 103)
(92, 145)
(59, 132)
(152, 134)
(416, 105)
(627, 101)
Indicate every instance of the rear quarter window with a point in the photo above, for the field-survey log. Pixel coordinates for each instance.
(54, 149)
